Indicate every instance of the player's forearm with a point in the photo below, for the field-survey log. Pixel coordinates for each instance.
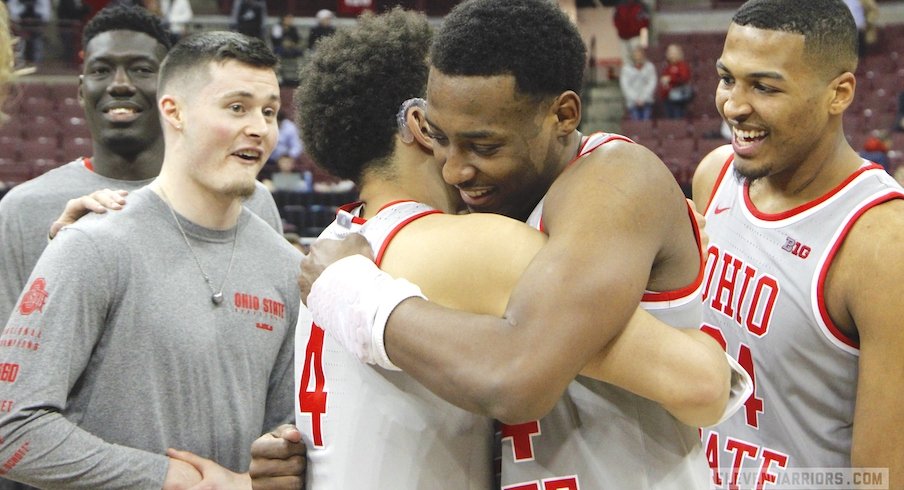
(43, 449)
(708, 383)
(484, 368)
(683, 370)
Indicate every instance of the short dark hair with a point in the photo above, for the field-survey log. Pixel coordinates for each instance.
(830, 35)
(214, 46)
(128, 18)
(353, 87)
(533, 40)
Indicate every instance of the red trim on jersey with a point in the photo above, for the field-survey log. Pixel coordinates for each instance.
(583, 150)
(87, 162)
(690, 288)
(393, 203)
(718, 181)
(379, 258)
(803, 207)
(348, 208)
(820, 285)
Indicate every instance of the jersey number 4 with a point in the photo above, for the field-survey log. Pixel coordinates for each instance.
(313, 401)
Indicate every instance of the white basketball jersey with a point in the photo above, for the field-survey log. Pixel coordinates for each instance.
(369, 428)
(763, 298)
(601, 437)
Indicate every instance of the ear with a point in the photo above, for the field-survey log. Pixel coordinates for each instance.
(170, 111)
(843, 88)
(417, 123)
(567, 110)
(80, 94)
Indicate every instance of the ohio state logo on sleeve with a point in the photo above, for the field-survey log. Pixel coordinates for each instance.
(34, 299)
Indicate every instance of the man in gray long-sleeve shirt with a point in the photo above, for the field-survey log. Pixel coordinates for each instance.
(123, 50)
(168, 324)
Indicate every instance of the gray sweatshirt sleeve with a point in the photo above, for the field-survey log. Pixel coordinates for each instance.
(49, 343)
(12, 260)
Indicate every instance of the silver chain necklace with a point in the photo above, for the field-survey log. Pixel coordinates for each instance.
(215, 295)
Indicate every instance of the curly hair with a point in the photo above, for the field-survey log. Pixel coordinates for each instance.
(830, 35)
(128, 18)
(533, 40)
(352, 88)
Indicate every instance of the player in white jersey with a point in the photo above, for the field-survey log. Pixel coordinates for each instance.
(567, 441)
(373, 427)
(804, 267)
(503, 112)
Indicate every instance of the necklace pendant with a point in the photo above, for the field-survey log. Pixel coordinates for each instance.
(217, 298)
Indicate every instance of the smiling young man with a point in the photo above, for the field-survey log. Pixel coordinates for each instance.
(124, 47)
(805, 259)
(168, 324)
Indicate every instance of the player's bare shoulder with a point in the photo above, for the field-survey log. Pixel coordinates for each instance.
(868, 266)
(707, 173)
(614, 172)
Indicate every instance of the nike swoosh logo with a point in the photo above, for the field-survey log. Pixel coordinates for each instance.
(721, 210)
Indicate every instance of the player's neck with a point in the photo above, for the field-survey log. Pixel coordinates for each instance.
(196, 203)
(139, 166)
(823, 170)
(414, 179)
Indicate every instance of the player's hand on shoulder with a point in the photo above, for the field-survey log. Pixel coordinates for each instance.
(323, 253)
(96, 202)
(278, 460)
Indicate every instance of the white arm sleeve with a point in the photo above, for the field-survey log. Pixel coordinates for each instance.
(352, 300)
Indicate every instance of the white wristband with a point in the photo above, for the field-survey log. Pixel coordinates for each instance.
(741, 389)
(352, 300)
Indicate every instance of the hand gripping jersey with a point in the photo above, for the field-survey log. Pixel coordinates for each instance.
(763, 296)
(601, 437)
(367, 427)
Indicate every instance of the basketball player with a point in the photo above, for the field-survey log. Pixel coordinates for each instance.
(803, 277)
(169, 323)
(346, 409)
(503, 111)
(124, 47)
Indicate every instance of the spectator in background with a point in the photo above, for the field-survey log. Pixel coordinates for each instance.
(876, 148)
(286, 42)
(289, 143)
(866, 13)
(288, 178)
(178, 14)
(632, 21)
(675, 83)
(248, 17)
(284, 37)
(72, 15)
(899, 118)
(638, 84)
(31, 16)
(285, 157)
(323, 28)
